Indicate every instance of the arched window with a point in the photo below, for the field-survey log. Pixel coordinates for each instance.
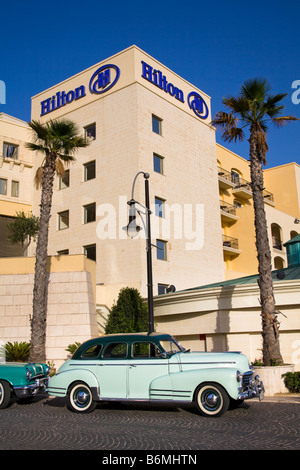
(293, 234)
(276, 236)
(279, 262)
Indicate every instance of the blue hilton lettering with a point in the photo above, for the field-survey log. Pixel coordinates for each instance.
(158, 79)
(61, 98)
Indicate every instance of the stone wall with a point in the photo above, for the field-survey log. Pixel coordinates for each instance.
(71, 311)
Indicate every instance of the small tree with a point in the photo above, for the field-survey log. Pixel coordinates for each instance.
(23, 229)
(129, 314)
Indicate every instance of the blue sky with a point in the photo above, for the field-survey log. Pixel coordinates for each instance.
(214, 45)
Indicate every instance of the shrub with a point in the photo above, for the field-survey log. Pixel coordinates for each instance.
(129, 314)
(292, 381)
(17, 352)
(72, 347)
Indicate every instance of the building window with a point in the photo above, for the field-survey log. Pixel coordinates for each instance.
(90, 132)
(90, 251)
(161, 250)
(161, 288)
(3, 186)
(235, 177)
(62, 252)
(89, 213)
(158, 163)
(156, 125)
(10, 151)
(63, 220)
(89, 170)
(15, 188)
(159, 207)
(276, 237)
(64, 181)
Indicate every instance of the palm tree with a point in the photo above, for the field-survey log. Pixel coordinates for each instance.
(252, 109)
(57, 141)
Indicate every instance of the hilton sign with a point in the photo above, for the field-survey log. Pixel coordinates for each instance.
(107, 76)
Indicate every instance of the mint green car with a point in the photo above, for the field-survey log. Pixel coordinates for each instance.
(153, 368)
(22, 380)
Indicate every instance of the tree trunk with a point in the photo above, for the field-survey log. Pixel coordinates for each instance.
(270, 334)
(39, 312)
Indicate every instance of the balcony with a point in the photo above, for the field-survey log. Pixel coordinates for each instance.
(228, 212)
(242, 188)
(225, 179)
(268, 198)
(231, 246)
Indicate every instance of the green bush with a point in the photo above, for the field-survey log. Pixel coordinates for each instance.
(17, 352)
(129, 314)
(72, 347)
(292, 381)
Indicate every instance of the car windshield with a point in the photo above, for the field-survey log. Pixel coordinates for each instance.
(171, 346)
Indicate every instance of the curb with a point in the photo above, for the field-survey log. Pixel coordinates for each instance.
(283, 398)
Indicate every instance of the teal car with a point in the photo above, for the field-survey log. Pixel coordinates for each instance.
(22, 380)
(153, 368)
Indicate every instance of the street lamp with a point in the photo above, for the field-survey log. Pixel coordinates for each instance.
(133, 229)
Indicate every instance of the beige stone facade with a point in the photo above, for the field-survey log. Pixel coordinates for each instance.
(125, 144)
(71, 312)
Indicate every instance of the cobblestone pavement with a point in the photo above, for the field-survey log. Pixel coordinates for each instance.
(47, 424)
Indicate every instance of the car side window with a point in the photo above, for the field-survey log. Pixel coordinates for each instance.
(92, 352)
(115, 351)
(143, 350)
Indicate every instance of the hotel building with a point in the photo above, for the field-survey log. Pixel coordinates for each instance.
(139, 116)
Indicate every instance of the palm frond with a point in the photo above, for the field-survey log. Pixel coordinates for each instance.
(59, 167)
(255, 89)
(283, 120)
(262, 145)
(237, 105)
(229, 126)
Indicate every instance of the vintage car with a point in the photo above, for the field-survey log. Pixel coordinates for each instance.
(156, 368)
(22, 380)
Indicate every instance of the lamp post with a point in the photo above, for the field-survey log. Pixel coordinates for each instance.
(133, 229)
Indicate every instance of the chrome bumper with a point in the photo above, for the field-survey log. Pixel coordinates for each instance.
(39, 386)
(252, 387)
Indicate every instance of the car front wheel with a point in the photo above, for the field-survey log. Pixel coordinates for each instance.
(211, 400)
(80, 398)
(5, 394)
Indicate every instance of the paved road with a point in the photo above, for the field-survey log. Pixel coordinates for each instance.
(47, 424)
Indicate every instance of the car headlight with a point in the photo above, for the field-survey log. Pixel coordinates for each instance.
(47, 370)
(239, 376)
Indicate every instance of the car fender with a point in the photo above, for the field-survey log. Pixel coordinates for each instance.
(59, 383)
(191, 379)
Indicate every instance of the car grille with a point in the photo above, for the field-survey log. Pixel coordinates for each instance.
(247, 377)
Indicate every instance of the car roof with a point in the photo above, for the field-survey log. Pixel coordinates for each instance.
(128, 337)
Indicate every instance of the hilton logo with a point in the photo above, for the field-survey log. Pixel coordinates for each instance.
(195, 101)
(198, 105)
(101, 81)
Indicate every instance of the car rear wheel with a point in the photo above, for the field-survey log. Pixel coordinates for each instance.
(211, 400)
(5, 394)
(80, 398)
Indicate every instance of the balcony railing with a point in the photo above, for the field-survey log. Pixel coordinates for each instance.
(230, 242)
(268, 196)
(228, 208)
(224, 174)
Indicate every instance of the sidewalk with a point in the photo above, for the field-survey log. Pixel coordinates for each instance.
(283, 398)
